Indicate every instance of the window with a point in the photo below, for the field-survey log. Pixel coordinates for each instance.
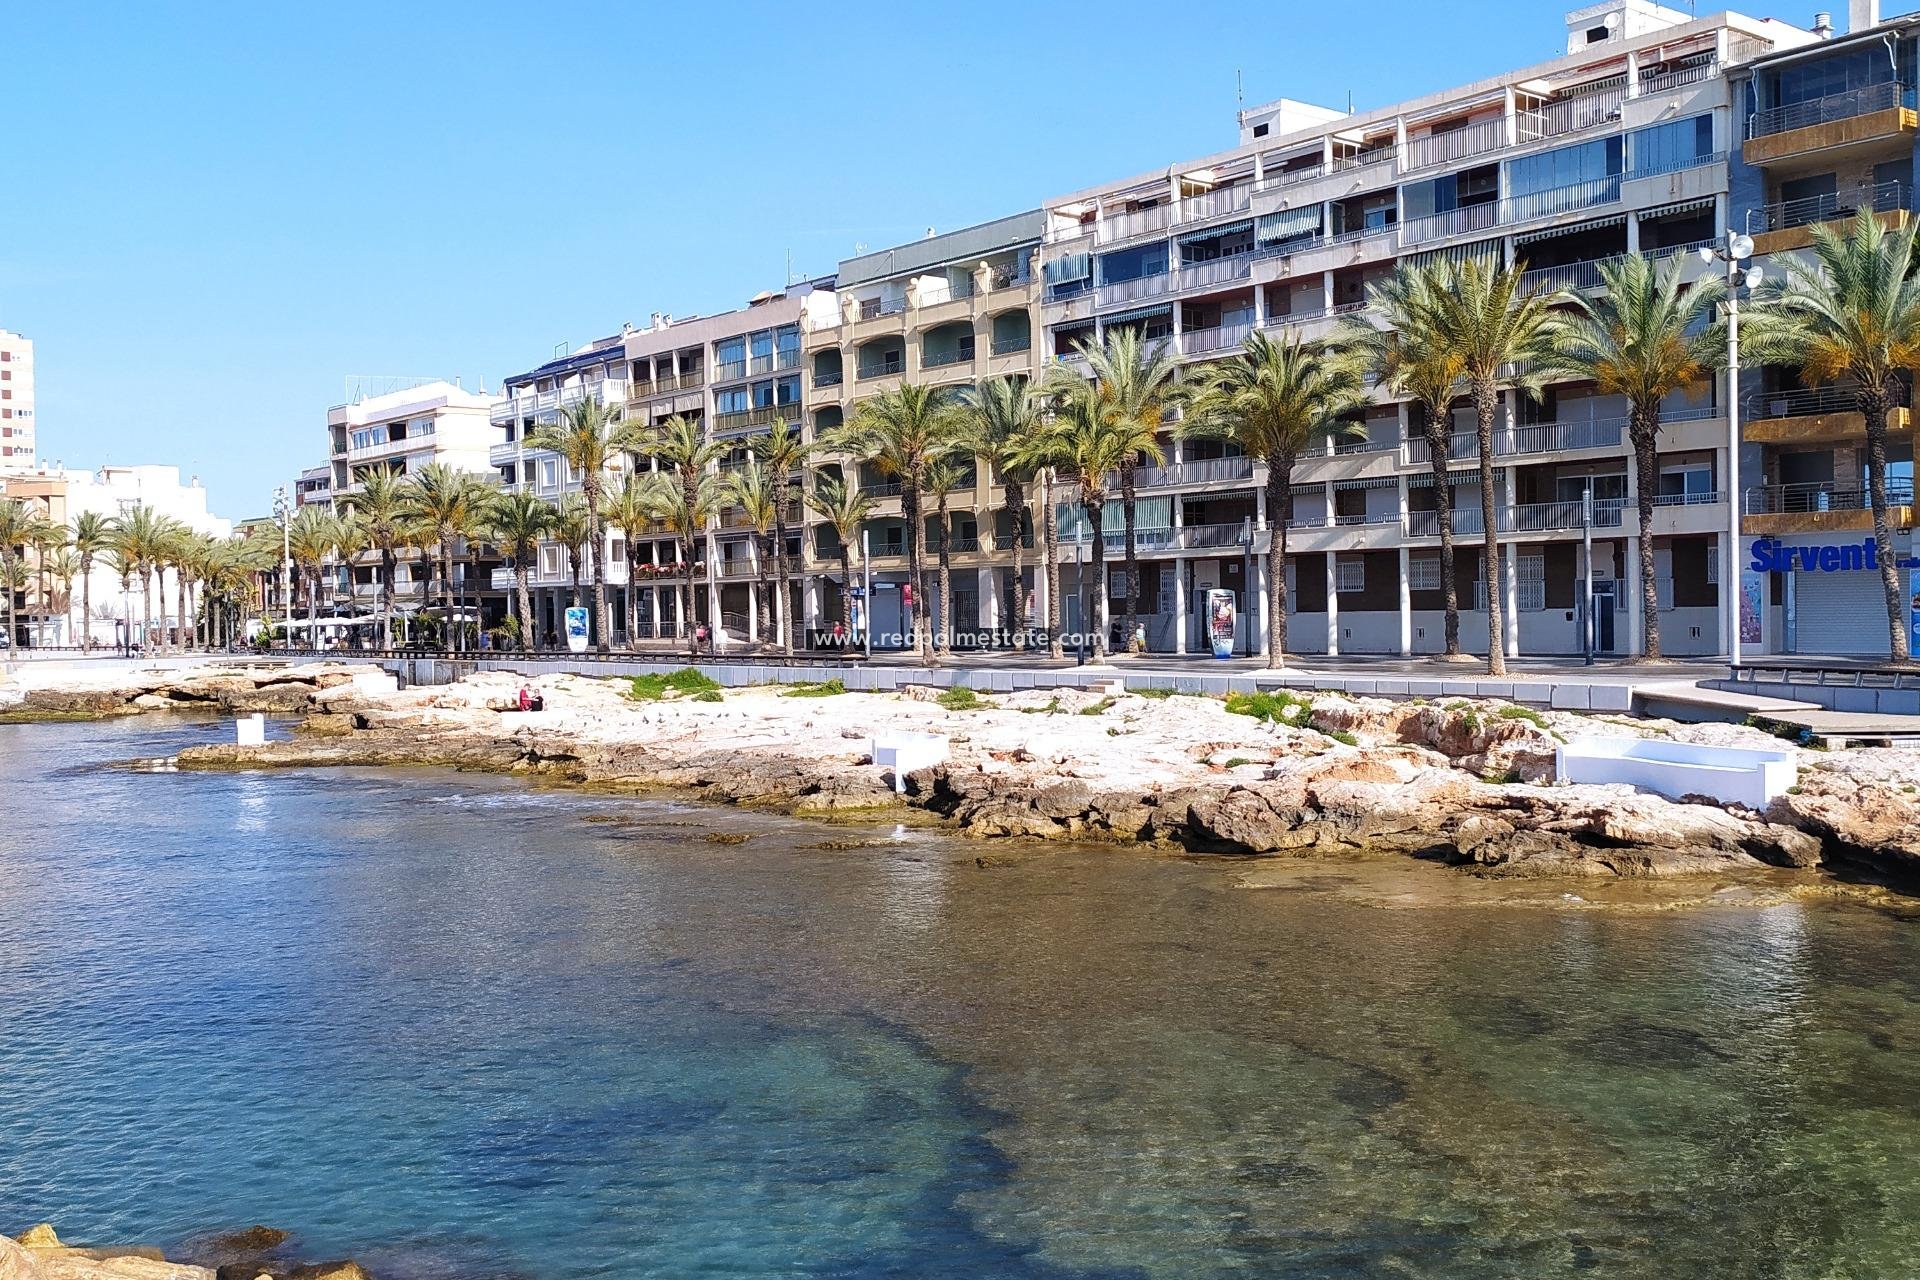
(1349, 575)
(1261, 130)
(549, 561)
(617, 551)
(1713, 567)
(549, 473)
(732, 400)
(1685, 485)
(730, 351)
(1566, 166)
(1530, 572)
(1423, 573)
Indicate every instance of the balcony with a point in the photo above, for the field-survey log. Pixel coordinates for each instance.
(1821, 507)
(1850, 118)
(1216, 204)
(1199, 471)
(882, 368)
(500, 455)
(1219, 271)
(729, 371)
(1576, 114)
(1454, 222)
(1787, 224)
(876, 308)
(1531, 517)
(963, 354)
(1115, 227)
(1202, 537)
(833, 379)
(1012, 346)
(761, 416)
(1558, 200)
(1148, 286)
(881, 488)
(1815, 415)
(1456, 144)
(1226, 337)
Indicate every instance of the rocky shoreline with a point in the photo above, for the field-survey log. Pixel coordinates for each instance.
(1468, 784)
(257, 1253)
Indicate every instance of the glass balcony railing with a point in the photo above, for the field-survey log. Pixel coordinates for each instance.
(1834, 106)
(1883, 197)
(1820, 495)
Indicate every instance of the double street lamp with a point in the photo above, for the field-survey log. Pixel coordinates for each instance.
(283, 512)
(1734, 250)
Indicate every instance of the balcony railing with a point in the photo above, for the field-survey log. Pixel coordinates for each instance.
(730, 371)
(881, 488)
(874, 308)
(1675, 164)
(830, 379)
(1201, 536)
(1533, 517)
(1572, 115)
(963, 354)
(1219, 338)
(1835, 106)
(883, 368)
(1455, 144)
(1199, 471)
(1454, 222)
(1678, 78)
(1137, 222)
(1810, 401)
(1213, 204)
(1556, 200)
(1883, 197)
(1004, 541)
(1012, 346)
(1218, 271)
(1820, 495)
(1148, 286)
(1705, 498)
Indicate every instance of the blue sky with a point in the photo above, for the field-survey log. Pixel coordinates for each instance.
(215, 213)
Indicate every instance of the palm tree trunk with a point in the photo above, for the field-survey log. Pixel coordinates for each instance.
(146, 610)
(86, 604)
(1439, 429)
(783, 601)
(387, 570)
(1644, 431)
(180, 630)
(1016, 595)
(602, 620)
(1279, 486)
(846, 587)
(1873, 407)
(1097, 561)
(633, 599)
(1485, 401)
(686, 598)
(526, 603)
(1050, 548)
(1132, 552)
(313, 608)
(910, 508)
(944, 640)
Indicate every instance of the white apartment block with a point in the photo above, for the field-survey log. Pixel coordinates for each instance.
(1620, 145)
(16, 401)
(114, 492)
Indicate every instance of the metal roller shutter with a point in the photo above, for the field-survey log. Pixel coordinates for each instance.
(1839, 613)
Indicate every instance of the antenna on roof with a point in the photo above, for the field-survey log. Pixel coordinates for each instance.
(1239, 93)
(1349, 102)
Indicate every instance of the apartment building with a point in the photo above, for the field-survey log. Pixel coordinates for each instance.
(944, 310)
(1619, 145)
(400, 429)
(314, 488)
(1826, 129)
(16, 400)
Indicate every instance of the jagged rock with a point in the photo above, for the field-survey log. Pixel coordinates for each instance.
(344, 1270)
(40, 1236)
(17, 1264)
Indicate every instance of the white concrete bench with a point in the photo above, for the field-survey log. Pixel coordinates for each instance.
(903, 751)
(1732, 775)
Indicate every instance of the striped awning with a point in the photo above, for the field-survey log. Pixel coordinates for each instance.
(1684, 206)
(1572, 229)
(1139, 313)
(1454, 478)
(1232, 228)
(1378, 482)
(1479, 250)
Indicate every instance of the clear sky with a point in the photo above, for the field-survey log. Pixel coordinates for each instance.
(212, 214)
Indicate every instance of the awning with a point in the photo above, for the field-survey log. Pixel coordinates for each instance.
(1378, 482)
(1454, 478)
(1479, 250)
(1232, 228)
(1572, 229)
(1074, 266)
(1289, 224)
(1684, 206)
(1139, 313)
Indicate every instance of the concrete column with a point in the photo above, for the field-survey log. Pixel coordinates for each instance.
(1259, 306)
(1510, 115)
(1258, 585)
(659, 617)
(1633, 608)
(713, 583)
(1406, 594)
(1179, 565)
(988, 580)
(1326, 290)
(1333, 606)
(1633, 233)
(1260, 512)
(1633, 74)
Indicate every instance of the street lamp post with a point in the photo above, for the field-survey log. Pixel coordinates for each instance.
(283, 511)
(1586, 539)
(1080, 590)
(1734, 250)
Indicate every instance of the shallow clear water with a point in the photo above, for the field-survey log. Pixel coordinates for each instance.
(454, 1026)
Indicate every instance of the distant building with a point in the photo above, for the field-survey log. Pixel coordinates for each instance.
(16, 400)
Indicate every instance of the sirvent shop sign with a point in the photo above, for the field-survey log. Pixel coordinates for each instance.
(1770, 555)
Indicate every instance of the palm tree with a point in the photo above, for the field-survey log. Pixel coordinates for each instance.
(1043, 455)
(1089, 446)
(65, 567)
(783, 452)
(902, 433)
(48, 537)
(311, 537)
(14, 580)
(1643, 340)
(447, 504)
(846, 509)
(141, 541)
(629, 511)
(16, 525)
(573, 525)
(1414, 359)
(1003, 413)
(92, 535)
(1499, 331)
(1276, 400)
(943, 478)
(516, 521)
(679, 446)
(588, 436)
(752, 488)
(381, 505)
(1138, 387)
(1852, 311)
(685, 513)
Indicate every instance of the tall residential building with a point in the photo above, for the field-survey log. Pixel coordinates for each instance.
(400, 430)
(16, 401)
(945, 311)
(1619, 145)
(1825, 130)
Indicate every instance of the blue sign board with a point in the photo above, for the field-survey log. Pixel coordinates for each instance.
(1770, 555)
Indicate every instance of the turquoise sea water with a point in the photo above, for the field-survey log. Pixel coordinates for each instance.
(457, 1027)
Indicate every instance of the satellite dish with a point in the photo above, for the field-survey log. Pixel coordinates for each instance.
(1741, 245)
(1612, 22)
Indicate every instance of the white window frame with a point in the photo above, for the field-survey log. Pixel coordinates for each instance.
(1349, 574)
(550, 560)
(1530, 582)
(1423, 573)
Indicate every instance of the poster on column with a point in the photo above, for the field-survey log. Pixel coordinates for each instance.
(577, 630)
(1753, 597)
(1913, 610)
(1220, 622)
